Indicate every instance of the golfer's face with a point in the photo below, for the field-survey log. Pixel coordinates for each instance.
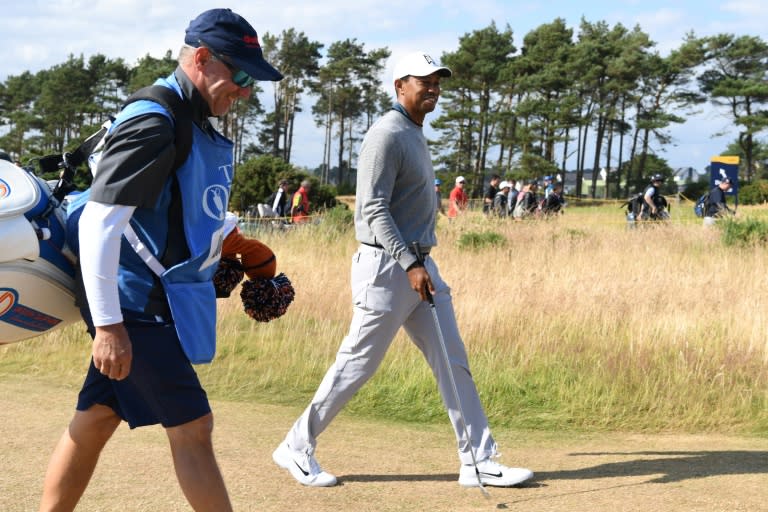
(420, 93)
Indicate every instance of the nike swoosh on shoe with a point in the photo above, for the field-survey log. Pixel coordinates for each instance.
(306, 473)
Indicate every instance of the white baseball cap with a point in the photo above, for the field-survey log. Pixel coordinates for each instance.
(504, 184)
(418, 64)
(459, 179)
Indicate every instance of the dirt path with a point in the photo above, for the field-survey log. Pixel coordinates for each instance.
(383, 467)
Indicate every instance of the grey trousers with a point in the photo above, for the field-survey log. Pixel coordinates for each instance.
(383, 302)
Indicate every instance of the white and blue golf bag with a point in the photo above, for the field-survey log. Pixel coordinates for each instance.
(36, 266)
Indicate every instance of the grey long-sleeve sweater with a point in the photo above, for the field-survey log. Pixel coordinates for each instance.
(395, 201)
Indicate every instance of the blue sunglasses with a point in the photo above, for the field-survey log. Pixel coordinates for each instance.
(239, 77)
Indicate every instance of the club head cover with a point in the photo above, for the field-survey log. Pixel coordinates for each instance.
(267, 299)
(228, 275)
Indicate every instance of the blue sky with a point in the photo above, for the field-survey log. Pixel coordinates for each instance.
(36, 34)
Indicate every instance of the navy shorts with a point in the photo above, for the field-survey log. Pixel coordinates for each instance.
(162, 386)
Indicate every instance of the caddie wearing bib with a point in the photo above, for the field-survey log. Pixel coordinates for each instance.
(395, 206)
(150, 240)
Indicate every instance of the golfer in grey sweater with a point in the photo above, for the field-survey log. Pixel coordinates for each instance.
(395, 206)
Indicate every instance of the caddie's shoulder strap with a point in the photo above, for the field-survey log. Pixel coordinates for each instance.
(181, 111)
(179, 108)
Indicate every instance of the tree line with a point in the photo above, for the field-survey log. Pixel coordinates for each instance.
(603, 90)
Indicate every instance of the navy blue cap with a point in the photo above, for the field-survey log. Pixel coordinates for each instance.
(228, 34)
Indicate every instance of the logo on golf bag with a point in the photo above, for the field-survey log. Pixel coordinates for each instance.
(5, 189)
(14, 313)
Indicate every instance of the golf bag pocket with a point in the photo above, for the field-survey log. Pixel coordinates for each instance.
(193, 307)
(36, 267)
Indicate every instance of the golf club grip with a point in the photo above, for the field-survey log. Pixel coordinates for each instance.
(420, 258)
(430, 299)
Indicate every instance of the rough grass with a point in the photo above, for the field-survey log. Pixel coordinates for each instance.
(573, 323)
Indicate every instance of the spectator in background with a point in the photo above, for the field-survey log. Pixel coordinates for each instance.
(439, 195)
(300, 203)
(278, 200)
(457, 200)
(716, 206)
(512, 197)
(500, 200)
(548, 186)
(490, 193)
(554, 202)
(654, 205)
(526, 201)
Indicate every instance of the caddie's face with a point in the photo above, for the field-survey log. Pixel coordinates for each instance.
(220, 91)
(419, 94)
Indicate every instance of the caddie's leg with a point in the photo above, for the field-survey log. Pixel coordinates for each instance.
(75, 457)
(420, 326)
(196, 468)
(379, 285)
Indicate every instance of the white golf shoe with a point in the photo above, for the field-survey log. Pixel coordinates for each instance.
(492, 474)
(302, 466)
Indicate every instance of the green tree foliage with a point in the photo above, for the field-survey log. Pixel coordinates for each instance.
(543, 80)
(736, 81)
(345, 88)
(472, 101)
(298, 59)
(754, 193)
(257, 178)
(597, 91)
(64, 119)
(149, 69)
(653, 165)
(17, 116)
(665, 95)
(759, 156)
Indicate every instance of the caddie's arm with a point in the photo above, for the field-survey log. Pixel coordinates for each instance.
(100, 230)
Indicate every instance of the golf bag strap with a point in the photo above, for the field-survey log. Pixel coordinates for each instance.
(179, 109)
(176, 106)
(143, 251)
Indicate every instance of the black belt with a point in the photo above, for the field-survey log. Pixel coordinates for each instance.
(377, 246)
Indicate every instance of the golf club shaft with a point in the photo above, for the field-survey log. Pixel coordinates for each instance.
(449, 369)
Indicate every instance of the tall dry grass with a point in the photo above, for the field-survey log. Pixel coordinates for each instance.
(574, 323)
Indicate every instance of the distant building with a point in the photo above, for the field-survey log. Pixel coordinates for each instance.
(684, 176)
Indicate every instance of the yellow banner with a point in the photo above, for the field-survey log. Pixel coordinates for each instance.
(728, 160)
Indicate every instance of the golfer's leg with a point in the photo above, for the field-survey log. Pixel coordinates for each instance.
(360, 354)
(378, 314)
(75, 457)
(196, 468)
(420, 326)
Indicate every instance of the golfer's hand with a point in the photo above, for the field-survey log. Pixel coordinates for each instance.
(112, 351)
(421, 282)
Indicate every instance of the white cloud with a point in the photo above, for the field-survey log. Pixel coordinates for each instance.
(751, 9)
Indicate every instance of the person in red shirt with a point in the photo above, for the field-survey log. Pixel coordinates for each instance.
(300, 203)
(458, 200)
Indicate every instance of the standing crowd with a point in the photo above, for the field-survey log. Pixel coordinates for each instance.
(503, 198)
